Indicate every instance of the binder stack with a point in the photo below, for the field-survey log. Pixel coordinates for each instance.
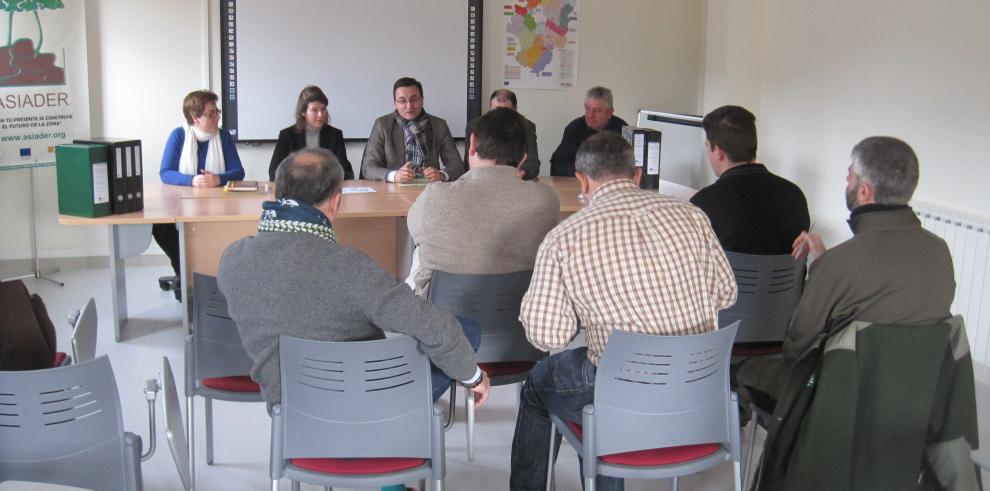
(127, 183)
(651, 159)
(646, 151)
(83, 179)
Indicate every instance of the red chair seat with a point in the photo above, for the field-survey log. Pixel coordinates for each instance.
(358, 466)
(59, 359)
(654, 456)
(499, 368)
(239, 383)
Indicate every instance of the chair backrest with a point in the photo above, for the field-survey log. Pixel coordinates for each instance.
(662, 391)
(63, 426)
(84, 331)
(493, 301)
(217, 347)
(355, 399)
(769, 290)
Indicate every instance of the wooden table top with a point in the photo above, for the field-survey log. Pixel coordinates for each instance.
(164, 203)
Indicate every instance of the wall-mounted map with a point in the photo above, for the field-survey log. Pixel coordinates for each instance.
(541, 44)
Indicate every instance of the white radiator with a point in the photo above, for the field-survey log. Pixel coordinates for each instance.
(968, 237)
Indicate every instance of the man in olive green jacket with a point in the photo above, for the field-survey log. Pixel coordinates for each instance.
(891, 272)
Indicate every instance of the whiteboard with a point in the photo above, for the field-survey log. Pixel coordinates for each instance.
(353, 50)
(682, 145)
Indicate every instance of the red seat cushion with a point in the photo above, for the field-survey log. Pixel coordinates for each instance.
(499, 368)
(655, 456)
(238, 383)
(59, 359)
(358, 466)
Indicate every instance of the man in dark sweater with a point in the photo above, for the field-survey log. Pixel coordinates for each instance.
(752, 211)
(293, 278)
(597, 117)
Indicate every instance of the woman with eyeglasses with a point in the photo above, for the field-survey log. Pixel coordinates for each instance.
(312, 129)
(197, 154)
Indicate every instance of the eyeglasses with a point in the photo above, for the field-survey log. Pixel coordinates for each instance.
(412, 100)
(212, 114)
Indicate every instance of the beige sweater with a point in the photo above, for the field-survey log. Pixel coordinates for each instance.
(487, 222)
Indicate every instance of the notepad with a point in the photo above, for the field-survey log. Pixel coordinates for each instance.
(356, 190)
(240, 186)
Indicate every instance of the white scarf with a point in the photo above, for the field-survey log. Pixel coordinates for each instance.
(189, 158)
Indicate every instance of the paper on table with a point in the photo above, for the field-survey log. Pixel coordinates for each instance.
(357, 190)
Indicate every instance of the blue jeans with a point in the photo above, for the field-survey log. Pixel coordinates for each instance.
(441, 382)
(562, 384)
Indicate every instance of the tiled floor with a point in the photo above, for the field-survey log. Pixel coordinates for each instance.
(242, 430)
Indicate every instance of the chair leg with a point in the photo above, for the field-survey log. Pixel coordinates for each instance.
(753, 427)
(209, 430)
(589, 483)
(447, 425)
(190, 434)
(673, 483)
(327, 488)
(274, 484)
(437, 485)
(551, 486)
(737, 477)
(295, 485)
(469, 408)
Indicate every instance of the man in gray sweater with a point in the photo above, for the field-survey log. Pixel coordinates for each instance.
(294, 279)
(489, 221)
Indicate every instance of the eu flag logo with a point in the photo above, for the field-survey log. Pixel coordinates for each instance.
(25, 152)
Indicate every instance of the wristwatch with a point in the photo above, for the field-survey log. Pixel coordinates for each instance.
(475, 383)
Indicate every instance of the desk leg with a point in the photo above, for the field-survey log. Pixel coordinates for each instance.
(125, 241)
(118, 282)
(185, 279)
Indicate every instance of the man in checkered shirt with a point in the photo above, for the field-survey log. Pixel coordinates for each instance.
(631, 260)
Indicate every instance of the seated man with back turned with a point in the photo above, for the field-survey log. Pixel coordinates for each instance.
(293, 278)
(489, 221)
(752, 210)
(598, 116)
(530, 167)
(409, 143)
(631, 260)
(891, 271)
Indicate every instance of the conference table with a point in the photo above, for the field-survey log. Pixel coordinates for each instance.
(371, 218)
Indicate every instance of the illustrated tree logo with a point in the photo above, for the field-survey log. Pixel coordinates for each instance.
(21, 62)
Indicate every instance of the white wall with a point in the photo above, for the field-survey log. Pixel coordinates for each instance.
(821, 76)
(142, 63)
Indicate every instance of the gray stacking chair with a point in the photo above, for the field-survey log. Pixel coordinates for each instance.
(493, 301)
(174, 427)
(84, 327)
(662, 409)
(63, 426)
(356, 414)
(217, 365)
(769, 290)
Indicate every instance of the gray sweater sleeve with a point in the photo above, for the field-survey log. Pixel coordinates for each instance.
(392, 306)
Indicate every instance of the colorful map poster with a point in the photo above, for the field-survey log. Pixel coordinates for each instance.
(44, 83)
(541, 44)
